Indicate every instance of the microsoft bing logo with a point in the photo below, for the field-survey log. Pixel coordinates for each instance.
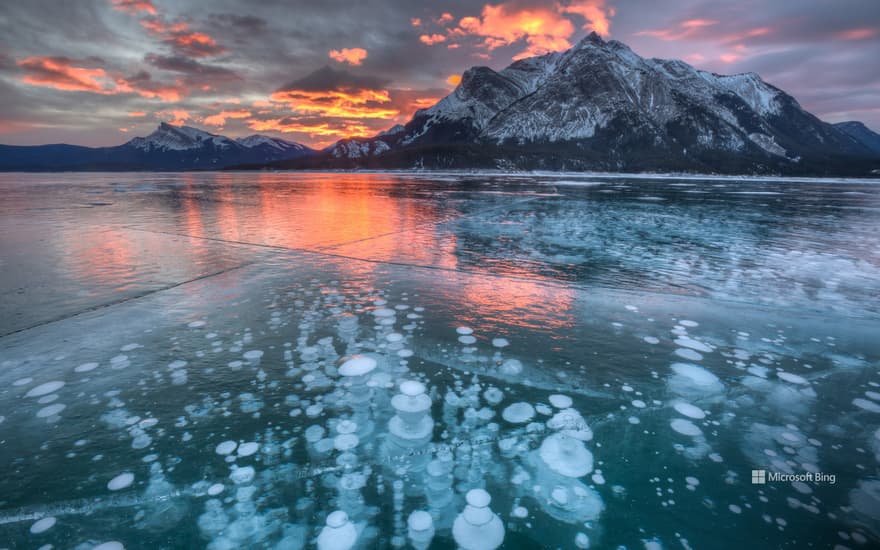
(759, 477)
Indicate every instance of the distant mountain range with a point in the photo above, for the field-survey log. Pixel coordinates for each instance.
(168, 148)
(597, 106)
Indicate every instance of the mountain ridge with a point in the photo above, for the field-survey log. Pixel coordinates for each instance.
(601, 106)
(169, 147)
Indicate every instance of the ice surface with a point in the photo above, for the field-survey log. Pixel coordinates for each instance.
(232, 449)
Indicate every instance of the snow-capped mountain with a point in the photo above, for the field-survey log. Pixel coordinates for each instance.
(180, 138)
(167, 148)
(599, 105)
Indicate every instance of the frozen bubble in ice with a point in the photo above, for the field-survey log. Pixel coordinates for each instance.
(477, 527)
(685, 427)
(566, 455)
(405, 353)
(651, 340)
(793, 378)
(249, 448)
(313, 411)
(735, 509)
(383, 312)
(689, 324)
(688, 410)
(688, 342)
(520, 512)
(582, 541)
(560, 401)
(689, 354)
(253, 356)
(511, 367)
(467, 339)
(112, 545)
(572, 424)
(196, 324)
(691, 480)
(338, 534)
(464, 331)
(243, 475)
(121, 481)
(639, 404)
(691, 378)
(493, 396)
(51, 410)
(357, 365)
(518, 413)
(225, 447)
(42, 525)
(864, 404)
(86, 367)
(345, 442)
(141, 441)
(215, 489)
(345, 427)
(23, 381)
(394, 337)
(500, 342)
(44, 389)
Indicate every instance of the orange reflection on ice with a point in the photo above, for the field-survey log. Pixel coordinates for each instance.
(523, 303)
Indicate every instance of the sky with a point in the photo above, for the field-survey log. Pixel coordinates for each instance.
(99, 72)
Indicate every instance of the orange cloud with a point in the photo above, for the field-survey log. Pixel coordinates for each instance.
(544, 30)
(454, 79)
(696, 23)
(61, 74)
(431, 39)
(181, 38)
(352, 56)
(178, 116)
(444, 18)
(416, 22)
(597, 15)
(730, 57)
(134, 7)
(220, 118)
(137, 114)
(338, 103)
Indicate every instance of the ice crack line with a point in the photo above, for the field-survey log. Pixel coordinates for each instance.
(123, 300)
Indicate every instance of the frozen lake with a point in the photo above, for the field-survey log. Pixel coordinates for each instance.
(215, 360)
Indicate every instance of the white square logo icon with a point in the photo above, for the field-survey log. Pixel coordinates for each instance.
(759, 477)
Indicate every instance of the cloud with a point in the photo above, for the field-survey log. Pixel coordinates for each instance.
(431, 39)
(415, 22)
(596, 13)
(352, 56)
(63, 73)
(137, 114)
(134, 7)
(543, 29)
(445, 18)
(454, 79)
(220, 118)
(142, 84)
(181, 38)
(178, 117)
(196, 71)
